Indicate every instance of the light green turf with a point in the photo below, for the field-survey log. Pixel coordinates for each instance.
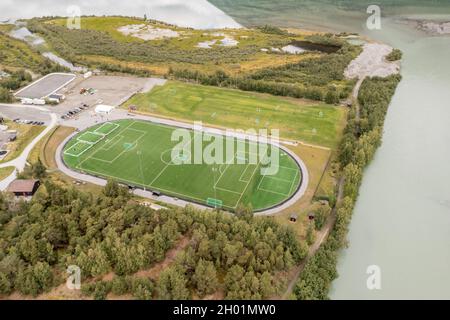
(310, 122)
(139, 153)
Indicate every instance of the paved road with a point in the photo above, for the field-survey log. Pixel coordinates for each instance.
(20, 162)
(14, 111)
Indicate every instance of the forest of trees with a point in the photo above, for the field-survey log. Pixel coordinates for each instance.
(361, 139)
(237, 255)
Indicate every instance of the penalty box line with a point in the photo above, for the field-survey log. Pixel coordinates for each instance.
(89, 157)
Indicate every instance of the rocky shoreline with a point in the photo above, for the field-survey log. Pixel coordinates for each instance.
(432, 27)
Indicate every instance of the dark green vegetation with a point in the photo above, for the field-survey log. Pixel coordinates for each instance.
(314, 74)
(317, 78)
(99, 37)
(237, 255)
(395, 55)
(139, 153)
(307, 121)
(362, 138)
(14, 81)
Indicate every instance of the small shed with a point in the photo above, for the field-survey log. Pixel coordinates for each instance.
(294, 217)
(24, 187)
(56, 97)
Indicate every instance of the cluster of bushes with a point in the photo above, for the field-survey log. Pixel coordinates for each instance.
(71, 44)
(362, 138)
(16, 53)
(111, 232)
(320, 78)
(395, 55)
(140, 288)
(14, 81)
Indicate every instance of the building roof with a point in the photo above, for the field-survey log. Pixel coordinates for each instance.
(103, 108)
(20, 185)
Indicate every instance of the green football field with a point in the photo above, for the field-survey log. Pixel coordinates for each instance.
(308, 121)
(139, 153)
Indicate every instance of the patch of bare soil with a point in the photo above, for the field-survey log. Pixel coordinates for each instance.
(372, 63)
(147, 32)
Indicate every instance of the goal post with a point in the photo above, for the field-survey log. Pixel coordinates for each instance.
(216, 203)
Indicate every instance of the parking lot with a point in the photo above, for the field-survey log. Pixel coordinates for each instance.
(24, 113)
(85, 94)
(45, 86)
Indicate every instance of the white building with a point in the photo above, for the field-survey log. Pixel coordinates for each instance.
(103, 109)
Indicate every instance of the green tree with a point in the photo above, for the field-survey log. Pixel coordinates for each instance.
(205, 278)
(172, 285)
(111, 189)
(38, 170)
(310, 234)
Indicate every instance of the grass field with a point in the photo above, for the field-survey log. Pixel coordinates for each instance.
(311, 122)
(139, 153)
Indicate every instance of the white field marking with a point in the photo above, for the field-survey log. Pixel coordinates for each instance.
(251, 178)
(279, 179)
(79, 165)
(287, 168)
(111, 145)
(226, 190)
(112, 130)
(293, 181)
(243, 172)
(248, 165)
(221, 173)
(122, 152)
(182, 195)
(271, 191)
(274, 192)
(67, 152)
(101, 135)
(137, 130)
(168, 164)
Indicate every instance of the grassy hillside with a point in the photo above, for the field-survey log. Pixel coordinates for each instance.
(182, 50)
(16, 54)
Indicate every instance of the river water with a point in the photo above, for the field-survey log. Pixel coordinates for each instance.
(401, 221)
